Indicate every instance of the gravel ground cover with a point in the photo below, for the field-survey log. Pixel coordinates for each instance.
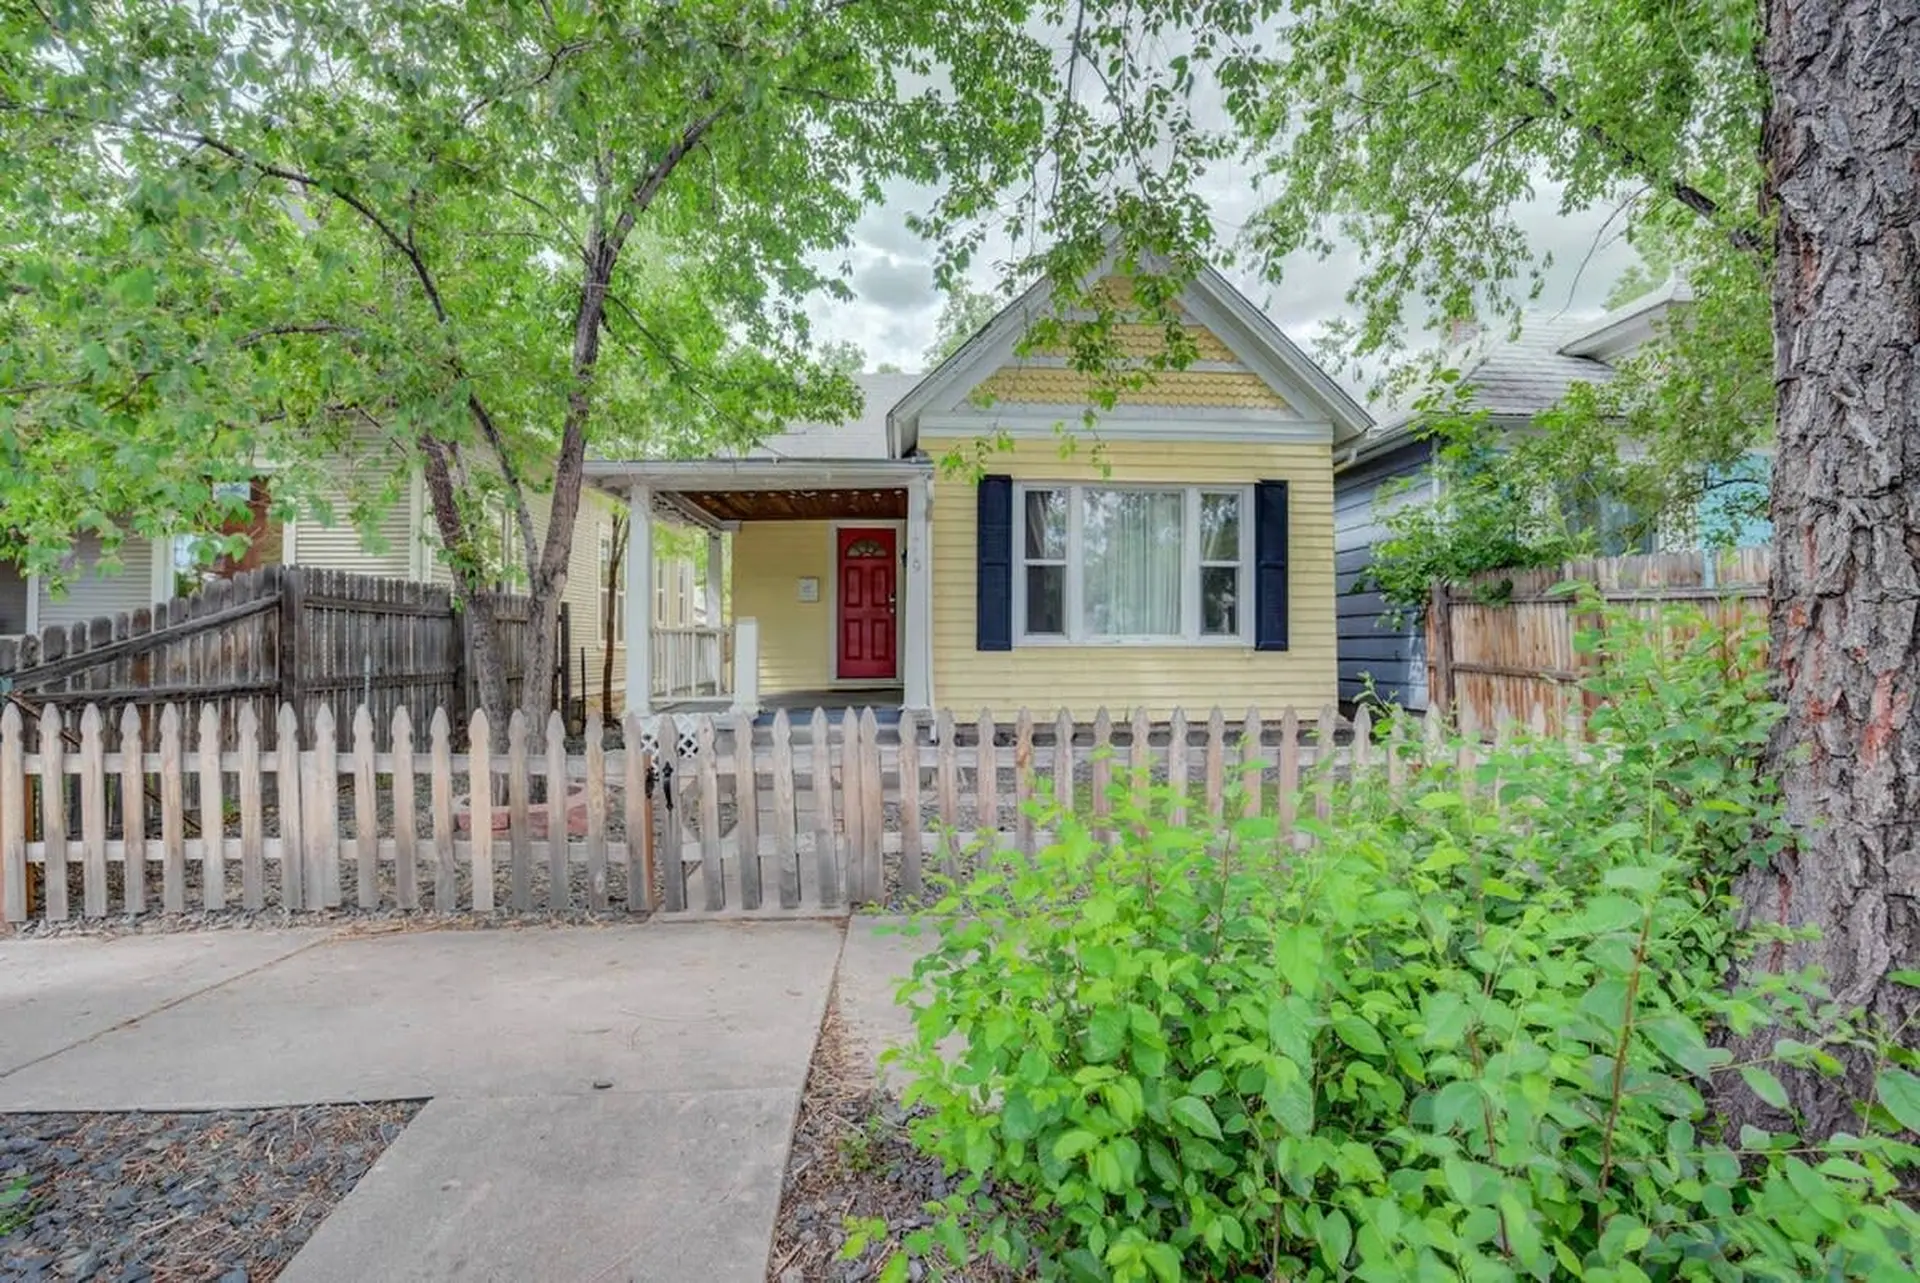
(227, 1195)
(851, 1158)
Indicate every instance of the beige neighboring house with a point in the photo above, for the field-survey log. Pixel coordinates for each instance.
(402, 546)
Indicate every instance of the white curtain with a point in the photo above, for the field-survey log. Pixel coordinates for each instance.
(1132, 558)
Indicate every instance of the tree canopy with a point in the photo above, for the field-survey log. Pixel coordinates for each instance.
(469, 238)
(962, 314)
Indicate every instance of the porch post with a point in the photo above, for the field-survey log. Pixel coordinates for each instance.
(639, 609)
(917, 672)
(714, 559)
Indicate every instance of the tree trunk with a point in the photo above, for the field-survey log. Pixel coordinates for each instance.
(541, 652)
(616, 553)
(489, 659)
(1844, 181)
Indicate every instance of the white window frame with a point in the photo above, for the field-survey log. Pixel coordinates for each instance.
(1190, 608)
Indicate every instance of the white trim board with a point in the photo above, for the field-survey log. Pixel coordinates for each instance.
(754, 474)
(1178, 423)
(899, 528)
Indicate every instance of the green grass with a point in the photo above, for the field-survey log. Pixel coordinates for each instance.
(16, 1205)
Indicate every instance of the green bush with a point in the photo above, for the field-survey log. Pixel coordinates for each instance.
(1442, 1039)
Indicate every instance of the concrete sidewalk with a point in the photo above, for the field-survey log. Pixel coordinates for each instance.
(605, 1103)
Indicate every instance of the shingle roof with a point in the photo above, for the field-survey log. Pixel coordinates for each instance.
(1510, 376)
(864, 436)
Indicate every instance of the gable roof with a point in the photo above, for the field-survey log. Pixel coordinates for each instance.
(1210, 299)
(1518, 377)
(864, 436)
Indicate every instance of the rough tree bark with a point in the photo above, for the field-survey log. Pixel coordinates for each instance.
(1843, 159)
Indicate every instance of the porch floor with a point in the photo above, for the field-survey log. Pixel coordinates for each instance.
(885, 701)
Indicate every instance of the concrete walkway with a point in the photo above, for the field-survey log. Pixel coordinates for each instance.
(605, 1103)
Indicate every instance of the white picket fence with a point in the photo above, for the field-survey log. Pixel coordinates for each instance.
(809, 814)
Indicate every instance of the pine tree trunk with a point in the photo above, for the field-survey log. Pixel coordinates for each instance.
(1844, 180)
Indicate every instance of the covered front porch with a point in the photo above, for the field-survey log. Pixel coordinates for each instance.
(819, 588)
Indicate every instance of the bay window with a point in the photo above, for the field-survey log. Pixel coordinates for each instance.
(1103, 563)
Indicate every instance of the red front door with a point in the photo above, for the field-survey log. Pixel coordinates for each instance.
(869, 571)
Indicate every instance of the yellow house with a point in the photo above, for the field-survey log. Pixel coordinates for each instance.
(1178, 554)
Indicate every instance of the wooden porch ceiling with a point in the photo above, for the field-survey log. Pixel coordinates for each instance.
(797, 505)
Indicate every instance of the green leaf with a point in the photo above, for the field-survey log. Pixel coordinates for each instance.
(1354, 1031)
(1289, 1099)
(1297, 951)
(1899, 1092)
(1447, 1017)
(895, 1270)
(1019, 1118)
(1454, 1103)
(1196, 1116)
(1164, 1260)
(1335, 1236)
(1607, 913)
(1631, 877)
(1763, 1084)
(1074, 1143)
(1679, 1039)
(1107, 1034)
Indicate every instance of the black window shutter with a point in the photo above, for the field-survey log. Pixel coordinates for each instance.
(993, 607)
(1270, 565)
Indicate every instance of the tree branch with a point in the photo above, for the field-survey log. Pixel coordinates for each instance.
(1743, 238)
(649, 184)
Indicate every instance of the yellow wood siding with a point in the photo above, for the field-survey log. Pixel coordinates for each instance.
(1139, 340)
(769, 559)
(1085, 678)
(586, 594)
(1051, 385)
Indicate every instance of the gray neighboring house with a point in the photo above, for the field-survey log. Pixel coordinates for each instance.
(1513, 380)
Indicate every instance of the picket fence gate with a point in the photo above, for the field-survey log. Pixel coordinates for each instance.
(834, 812)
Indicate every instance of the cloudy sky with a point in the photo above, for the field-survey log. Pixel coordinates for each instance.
(892, 317)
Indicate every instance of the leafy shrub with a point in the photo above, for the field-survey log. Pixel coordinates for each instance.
(1464, 1032)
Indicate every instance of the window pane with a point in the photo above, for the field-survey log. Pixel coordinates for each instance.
(1047, 600)
(1133, 558)
(1219, 527)
(1220, 601)
(1047, 524)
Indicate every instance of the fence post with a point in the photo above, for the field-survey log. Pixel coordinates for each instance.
(287, 654)
(1440, 648)
(13, 816)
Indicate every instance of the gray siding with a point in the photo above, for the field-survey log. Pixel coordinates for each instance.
(1394, 658)
(13, 600)
(91, 592)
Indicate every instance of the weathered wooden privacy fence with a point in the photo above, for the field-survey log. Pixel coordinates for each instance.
(1501, 649)
(292, 635)
(810, 815)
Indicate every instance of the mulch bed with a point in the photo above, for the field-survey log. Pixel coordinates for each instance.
(851, 1158)
(227, 1195)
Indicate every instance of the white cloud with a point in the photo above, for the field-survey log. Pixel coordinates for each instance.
(896, 305)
